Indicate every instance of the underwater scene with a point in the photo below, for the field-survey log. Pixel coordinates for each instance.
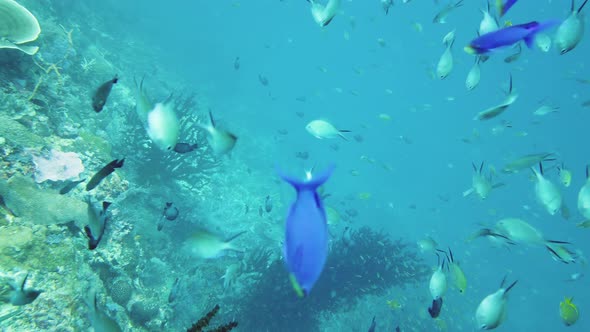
(291, 165)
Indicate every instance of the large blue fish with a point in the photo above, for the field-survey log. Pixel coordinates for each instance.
(306, 234)
(508, 36)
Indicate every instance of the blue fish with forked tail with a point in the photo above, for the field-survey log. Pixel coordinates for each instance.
(306, 234)
(508, 36)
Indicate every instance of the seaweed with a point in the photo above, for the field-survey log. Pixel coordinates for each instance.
(369, 263)
(204, 321)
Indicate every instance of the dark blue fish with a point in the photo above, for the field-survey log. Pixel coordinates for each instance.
(435, 308)
(508, 36)
(185, 147)
(306, 234)
(102, 94)
(20, 296)
(98, 223)
(503, 7)
(69, 186)
(103, 173)
(170, 213)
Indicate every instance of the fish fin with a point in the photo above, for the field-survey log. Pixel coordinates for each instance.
(510, 287)
(233, 237)
(468, 192)
(298, 290)
(498, 185)
(211, 120)
(308, 184)
(530, 40)
(119, 163)
(115, 79)
(587, 170)
(558, 242)
(582, 6)
(105, 205)
(22, 286)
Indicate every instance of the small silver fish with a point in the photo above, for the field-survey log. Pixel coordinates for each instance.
(441, 16)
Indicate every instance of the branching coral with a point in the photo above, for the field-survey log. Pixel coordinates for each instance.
(368, 264)
(205, 320)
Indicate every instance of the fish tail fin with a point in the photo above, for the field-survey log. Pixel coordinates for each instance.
(310, 184)
(530, 39)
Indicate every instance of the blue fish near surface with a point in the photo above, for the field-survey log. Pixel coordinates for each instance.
(508, 36)
(306, 232)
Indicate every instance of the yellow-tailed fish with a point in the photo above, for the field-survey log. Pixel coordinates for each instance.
(571, 30)
(543, 42)
(514, 56)
(547, 193)
(445, 63)
(527, 161)
(142, 103)
(491, 311)
(441, 16)
(427, 244)
(323, 15)
(364, 196)
(324, 130)
(568, 311)
(545, 109)
(386, 4)
(456, 272)
(480, 184)
(560, 252)
(394, 304)
(473, 76)
(332, 216)
(584, 196)
(519, 231)
(163, 126)
(494, 111)
(488, 22)
(438, 280)
(204, 244)
(565, 175)
(220, 141)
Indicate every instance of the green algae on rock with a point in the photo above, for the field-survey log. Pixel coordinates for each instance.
(40, 206)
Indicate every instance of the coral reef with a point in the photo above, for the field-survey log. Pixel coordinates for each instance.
(143, 311)
(204, 321)
(121, 292)
(369, 263)
(40, 206)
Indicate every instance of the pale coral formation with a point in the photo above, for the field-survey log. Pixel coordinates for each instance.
(58, 166)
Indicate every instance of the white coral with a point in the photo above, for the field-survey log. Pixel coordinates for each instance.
(59, 166)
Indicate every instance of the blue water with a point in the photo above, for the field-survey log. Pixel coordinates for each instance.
(342, 74)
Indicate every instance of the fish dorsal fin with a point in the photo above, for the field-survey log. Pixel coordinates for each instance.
(481, 167)
(233, 237)
(211, 120)
(541, 168)
(105, 206)
(510, 86)
(587, 171)
(22, 286)
(510, 287)
(582, 6)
